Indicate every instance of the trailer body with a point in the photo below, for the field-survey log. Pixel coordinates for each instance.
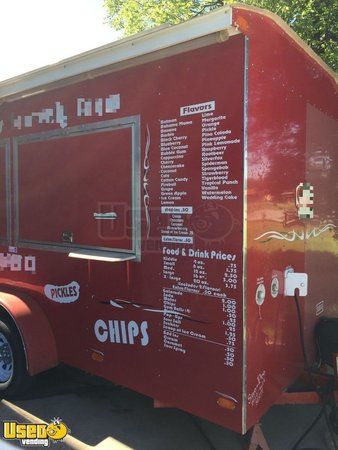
(154, 196)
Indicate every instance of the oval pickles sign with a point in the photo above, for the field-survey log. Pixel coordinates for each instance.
(63, 294)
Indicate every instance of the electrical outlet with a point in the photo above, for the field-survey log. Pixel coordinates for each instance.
(295, 280)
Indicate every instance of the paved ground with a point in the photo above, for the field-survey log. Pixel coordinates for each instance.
(102, 416)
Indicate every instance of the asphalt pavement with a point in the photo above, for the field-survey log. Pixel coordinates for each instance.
(103, 416)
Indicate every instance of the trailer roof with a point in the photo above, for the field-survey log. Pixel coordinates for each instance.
(131, 47)
(290, 32)
(138, 45)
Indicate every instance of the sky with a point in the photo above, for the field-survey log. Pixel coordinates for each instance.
(35, 33)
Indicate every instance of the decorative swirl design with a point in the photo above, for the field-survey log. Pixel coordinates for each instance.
(119, 303)
(293, 235)
(146, 197)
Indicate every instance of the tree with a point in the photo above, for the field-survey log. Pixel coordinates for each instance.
(314, 20)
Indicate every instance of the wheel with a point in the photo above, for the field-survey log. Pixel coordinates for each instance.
(14, 378)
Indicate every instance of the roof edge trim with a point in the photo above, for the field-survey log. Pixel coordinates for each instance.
(137, 45)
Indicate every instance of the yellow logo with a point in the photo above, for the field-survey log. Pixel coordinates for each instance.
(36, 435)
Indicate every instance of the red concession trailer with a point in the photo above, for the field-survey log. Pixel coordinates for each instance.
(162, 198)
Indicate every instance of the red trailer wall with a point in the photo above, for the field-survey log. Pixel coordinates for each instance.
(169, 326)
(291, 133)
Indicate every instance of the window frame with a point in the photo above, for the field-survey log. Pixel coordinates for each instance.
(87, 251)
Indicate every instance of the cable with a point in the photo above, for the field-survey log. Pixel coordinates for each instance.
(202, 432)
(329, 425)
(301, 335)
(315, 421)
(309, 428)
(324, 399)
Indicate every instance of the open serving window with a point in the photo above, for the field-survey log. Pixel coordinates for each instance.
(77, 190)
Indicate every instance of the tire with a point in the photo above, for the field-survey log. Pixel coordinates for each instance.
(14, 378)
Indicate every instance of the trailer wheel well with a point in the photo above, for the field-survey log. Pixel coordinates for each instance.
(38, 341)
(4, 314)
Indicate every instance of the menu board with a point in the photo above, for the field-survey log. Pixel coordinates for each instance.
(200, 197)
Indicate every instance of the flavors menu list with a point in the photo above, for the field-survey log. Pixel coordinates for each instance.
(215, 168)
(198, 187)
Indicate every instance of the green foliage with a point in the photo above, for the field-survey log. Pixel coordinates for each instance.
(314, 20)
(133, 16)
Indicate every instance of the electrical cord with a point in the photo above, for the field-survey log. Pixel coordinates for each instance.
(202, 432)
(323, 396)
(316, 419)
(309, 428)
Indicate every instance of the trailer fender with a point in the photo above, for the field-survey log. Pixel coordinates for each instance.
(36, 333)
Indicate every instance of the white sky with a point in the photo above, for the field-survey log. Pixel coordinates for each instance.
(34, 33)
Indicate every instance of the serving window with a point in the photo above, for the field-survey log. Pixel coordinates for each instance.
(77, 190)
